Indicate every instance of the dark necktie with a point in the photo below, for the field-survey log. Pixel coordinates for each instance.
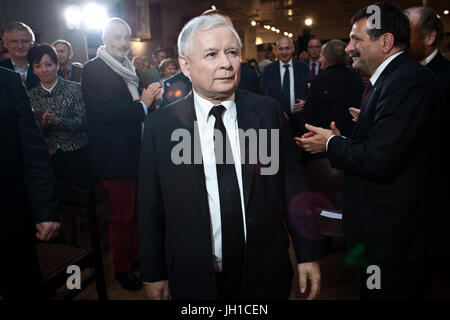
(287, 89)
(233, 242)
(313, 69)
(367, 88)
(66, 74)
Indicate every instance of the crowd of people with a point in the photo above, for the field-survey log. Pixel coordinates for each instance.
(374, 108)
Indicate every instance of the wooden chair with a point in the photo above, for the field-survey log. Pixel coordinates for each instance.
(54, 258)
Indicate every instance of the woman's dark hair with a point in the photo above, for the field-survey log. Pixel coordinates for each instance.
(36, 53)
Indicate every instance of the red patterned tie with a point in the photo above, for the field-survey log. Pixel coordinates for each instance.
(66, 74)
(313, 69)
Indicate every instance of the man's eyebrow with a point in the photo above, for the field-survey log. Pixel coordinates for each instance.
(210, 49)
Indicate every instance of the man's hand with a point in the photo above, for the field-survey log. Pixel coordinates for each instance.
(315, 140)
(309, 271)
(298, 107)
(47, 231)
(150, 94)
(354, 113)
(157, 290)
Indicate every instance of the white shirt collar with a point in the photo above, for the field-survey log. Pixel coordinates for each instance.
(383, 66)
(18, 69)
(428, 59)
(282, 64)
(203, 107)
(51, 89)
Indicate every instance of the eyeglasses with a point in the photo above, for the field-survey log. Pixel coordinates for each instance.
(314, 47)
(17, 42)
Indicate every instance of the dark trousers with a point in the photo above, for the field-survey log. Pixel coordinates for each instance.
(122, 224)
(399, 281)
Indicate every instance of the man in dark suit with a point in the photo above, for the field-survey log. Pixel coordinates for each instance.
(219, 232)
(27, 192)
(18, 39)
(286, 80)
(390, 161)
(314, 47)
(115, 111)
(67, 69)
(427, 32)
(334, 90)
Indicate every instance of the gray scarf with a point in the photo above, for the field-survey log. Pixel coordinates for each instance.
(126, 71)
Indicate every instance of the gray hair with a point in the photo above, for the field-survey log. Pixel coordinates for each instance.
(201, 23)
(18, 26)
(110, 23)
(334, 52)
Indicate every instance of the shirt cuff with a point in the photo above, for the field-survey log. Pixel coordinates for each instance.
(145, 107)
(326, 146)
(330, 139)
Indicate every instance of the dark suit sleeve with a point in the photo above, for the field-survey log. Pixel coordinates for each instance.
(311, 111)
(307, 248)
(151, 213)
(265, 81)
(38, 169)
(401, 116)
(109, 106)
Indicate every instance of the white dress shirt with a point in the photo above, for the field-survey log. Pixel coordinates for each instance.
(291, 80)
(23, 72)
(428, 59)
(374, 78)
(206, 133)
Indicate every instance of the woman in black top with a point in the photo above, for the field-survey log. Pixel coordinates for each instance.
(59, 108)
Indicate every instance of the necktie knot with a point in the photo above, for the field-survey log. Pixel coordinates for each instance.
(287, 66)
(217, 111)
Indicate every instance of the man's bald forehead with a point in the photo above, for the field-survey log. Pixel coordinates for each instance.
(284, 38)
(113, 23)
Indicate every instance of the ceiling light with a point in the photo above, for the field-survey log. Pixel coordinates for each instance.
(446, 11)
(273, 28)
(253, 23)
(290, 35)
(308, 22)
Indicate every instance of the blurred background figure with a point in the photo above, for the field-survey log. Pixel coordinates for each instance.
(154, 74)
(139, 65)
(59, 109)
(18, 39)
(68, 70)
(314, 47)
(303, 56)
(168, 67)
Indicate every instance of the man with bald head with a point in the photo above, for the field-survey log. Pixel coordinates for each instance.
(219, 231)
(286, 80)
(115, 111)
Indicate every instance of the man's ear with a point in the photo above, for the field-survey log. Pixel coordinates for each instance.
(71, 54)
(184, 65)
(430, 38)
(387, 42)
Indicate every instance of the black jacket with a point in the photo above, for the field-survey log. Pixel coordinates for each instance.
(114, 122)
(174, 223)
(76, 74)
(391, 165)
(31, 80)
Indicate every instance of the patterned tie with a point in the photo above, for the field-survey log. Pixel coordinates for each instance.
(233, 241)
(66, 74)
(287, 89)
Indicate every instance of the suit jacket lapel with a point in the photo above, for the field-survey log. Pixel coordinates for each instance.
(247, 119)
(372, 93)
(195, 171)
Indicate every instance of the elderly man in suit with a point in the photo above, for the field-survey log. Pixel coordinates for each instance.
(18, 39)
(391, 160)
(27, 192)
(219, 231)
(115, 111)
(286, 80)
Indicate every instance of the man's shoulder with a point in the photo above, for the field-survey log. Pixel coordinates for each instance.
(6, 64)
